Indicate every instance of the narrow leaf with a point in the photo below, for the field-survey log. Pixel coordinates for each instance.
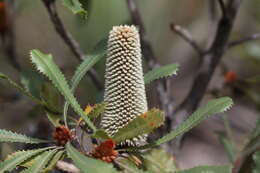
(8, 136)
(212, 107)
(87, 164)
(208, 169)
(53, 161)
(40, 162)
(160, 72)
(81, 71)
(142, 124)
(20, 89)
(228, 146)
(17, 158)
(76, 7)
(46, 66)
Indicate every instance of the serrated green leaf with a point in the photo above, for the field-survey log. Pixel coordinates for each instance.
(81, 71)
(40, 162)
(159, 160)
(208, 169)
(8, 136)
(160, 72)
(53, 161)
(76, 7)
(228, 146)
(256, 158)
(46, 65)
(17, 158)
(142, 124)
(212, 107)
(20, 89)
(87, 164)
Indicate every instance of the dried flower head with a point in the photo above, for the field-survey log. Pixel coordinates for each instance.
(124, 84)
(62, 135)
(105, 151)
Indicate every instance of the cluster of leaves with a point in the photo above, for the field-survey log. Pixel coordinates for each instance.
(44, 159)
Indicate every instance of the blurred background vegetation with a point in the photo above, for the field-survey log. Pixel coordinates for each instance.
(33, 29)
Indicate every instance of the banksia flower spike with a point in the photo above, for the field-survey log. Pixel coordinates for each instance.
(124, 84)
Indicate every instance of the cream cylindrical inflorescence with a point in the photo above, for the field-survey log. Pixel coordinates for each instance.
(124, 84)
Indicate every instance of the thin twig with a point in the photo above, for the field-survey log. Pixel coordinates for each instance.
(69, 40)
(67, 167)
(162, 85)
(244, 40)
(183, 33)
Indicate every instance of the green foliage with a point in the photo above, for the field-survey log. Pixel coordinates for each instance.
(256, 158)
(40, 162)
(142, 124)
(228, 145)
(159, 161)
(97, 110)
(53, 161)
(7, 136)
(76, 7)
(45, 64)
(51, 97)
(160, 72)
(256, 131)
(81, 71)
(32, 82)
(17, 158)
(20, 89)
(212, 107)
(87, 164)
(208, 169)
